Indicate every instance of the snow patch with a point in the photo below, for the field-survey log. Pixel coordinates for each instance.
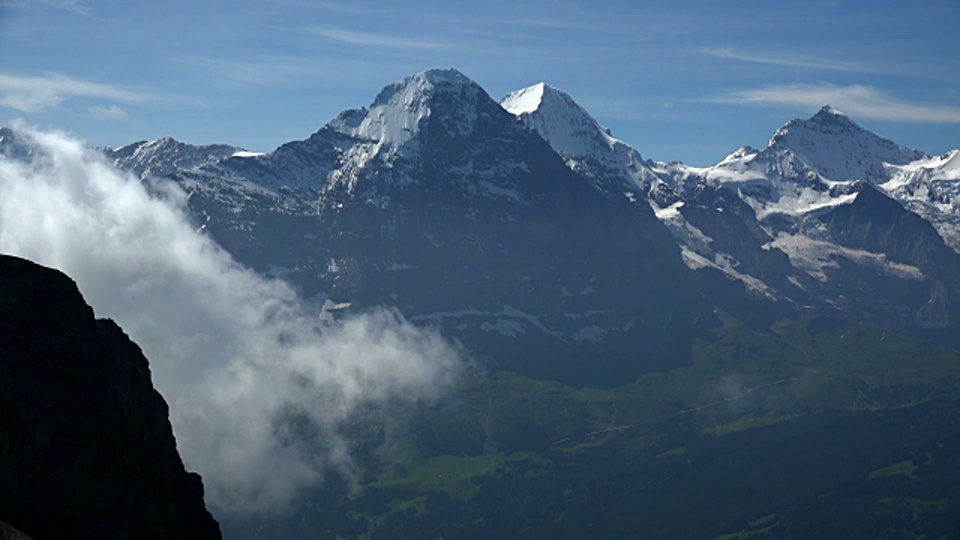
(505, 327)
(593, 334)
(670, 212)
(724, 263)
(525, 100)
(815, 256)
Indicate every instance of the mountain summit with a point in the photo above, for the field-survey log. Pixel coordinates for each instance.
(400, 109)
(587, 146)
(837, 148)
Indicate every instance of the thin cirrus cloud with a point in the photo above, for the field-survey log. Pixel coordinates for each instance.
(790, 60)
(351, 37)
(113, 112)
(257, 72)
(29, 93)
(857, 100)
(73, 6)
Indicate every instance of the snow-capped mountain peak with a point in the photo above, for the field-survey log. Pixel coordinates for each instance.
(579, 138)
(566, 125)
(399, 110)
(837, 148)
(167, 155)
(389, 130)
(525, 100)
(742, 153)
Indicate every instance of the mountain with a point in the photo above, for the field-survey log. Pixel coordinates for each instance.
(809, 165)
(653, 339)
(931, 188)
(585, 145)
(166, 156)
(86, 447)
(434, 193)
(779, 220)
(435, 200)
(836, 148)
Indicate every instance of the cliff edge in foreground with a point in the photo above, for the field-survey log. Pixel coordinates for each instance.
(86, 446)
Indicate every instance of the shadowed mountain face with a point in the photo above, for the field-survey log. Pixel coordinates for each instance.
(529, 232)
(821, 218)
(86, 447)
(436, 200)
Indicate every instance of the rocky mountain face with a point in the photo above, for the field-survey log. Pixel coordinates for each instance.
(528, 231)
(834, 147)
(167, 156)
(86, 447)
(822, 217)
(931, 188)
(613, 166)
(436, 200)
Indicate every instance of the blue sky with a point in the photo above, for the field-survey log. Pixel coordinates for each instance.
(679, 80)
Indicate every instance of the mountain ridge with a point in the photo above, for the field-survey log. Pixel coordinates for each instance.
(465, 219)
(435, 144)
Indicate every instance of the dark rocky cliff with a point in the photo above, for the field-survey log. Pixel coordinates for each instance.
(86, 446)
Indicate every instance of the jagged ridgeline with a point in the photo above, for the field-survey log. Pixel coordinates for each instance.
(436, 200)
(86, 446)
(527, 231)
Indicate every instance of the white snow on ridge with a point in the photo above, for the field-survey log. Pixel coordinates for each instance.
(723, 263)
(397, 112)
(579, 138)
(670, 212)
(505, 327)
(567, 126)
(808, 200)
(814, 256)
(394, 119)
(525, 100)
(837, 148)
(945, 167)
(389, 127)
(246, 154)
(930, 187)
(689, 236)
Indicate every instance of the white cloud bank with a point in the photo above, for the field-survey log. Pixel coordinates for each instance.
(231, 351)
(856, 100)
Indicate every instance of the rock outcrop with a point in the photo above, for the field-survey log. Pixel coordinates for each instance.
(86, 445)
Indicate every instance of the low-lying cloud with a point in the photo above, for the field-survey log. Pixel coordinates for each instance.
(232, 352)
